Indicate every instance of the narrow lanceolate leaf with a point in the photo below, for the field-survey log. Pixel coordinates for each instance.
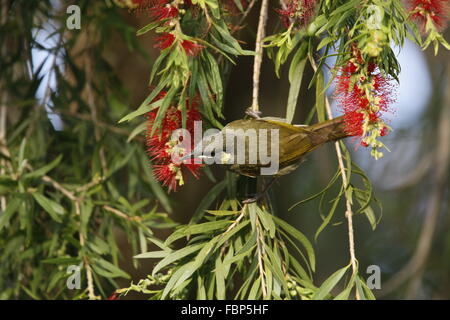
(329, 284)
(6, 215)
(210, 197)
(139, 129)
(147, 28)
(295, 79)
(43, 170)
(320, 97)
(54, 209)
(158, 191)
(146, 106)
(196, 229)
(177, 255)
(152, 254)
(299, 237)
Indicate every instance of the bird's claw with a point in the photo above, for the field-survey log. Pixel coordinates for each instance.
(253, 113)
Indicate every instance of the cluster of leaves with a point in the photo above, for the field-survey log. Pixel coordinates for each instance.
(240, 253)
(245, 252)
(64, 195)
(186, 76)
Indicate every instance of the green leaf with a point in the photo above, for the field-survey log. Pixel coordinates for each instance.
(146, 106)
(329, 284)
(203, 228)
(100, 265)
(220, 279)
(12, 207)
(346, 293)
(177, 255)
(210, 197)
(152, 254)
(320, 97)
(54, 209)
(147, 28)
(154, 185)
(301, 238)
(267, 221)
(140, 128)
(43, 170)
(295, 79)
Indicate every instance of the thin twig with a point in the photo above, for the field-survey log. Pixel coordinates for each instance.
(260, 249)
(60, 188)
(121, 214)
(348, 204)
(259, 52)
(89, 276)
(244, 16)
(3, 102)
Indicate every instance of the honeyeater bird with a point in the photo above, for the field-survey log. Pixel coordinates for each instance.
(294, 142)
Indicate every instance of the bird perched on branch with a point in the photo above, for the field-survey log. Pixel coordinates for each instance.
(260, 140)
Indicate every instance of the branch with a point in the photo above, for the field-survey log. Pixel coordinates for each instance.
(244, 16)
(348, 204)
(121, 214)
(259, 53)
(259, 242)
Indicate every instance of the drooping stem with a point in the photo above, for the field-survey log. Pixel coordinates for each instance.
(348, 204)
(259, 53)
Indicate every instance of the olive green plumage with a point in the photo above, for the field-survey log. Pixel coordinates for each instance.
(294, 142)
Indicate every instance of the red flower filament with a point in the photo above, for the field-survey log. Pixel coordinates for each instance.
(364, 100)
(299, 12)
(164, 41)
(162, 148)
(191, 48)
(436, 10)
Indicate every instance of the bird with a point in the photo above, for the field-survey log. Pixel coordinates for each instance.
(294, 142)
(289, 144)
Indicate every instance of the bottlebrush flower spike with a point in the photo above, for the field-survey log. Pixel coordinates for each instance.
(436, 10)
(365, 95)
(164, 41)
(162, 148)
(162, 10)
(299, 12)
(191, 48)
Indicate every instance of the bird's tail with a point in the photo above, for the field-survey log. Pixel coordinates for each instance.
(330, 130)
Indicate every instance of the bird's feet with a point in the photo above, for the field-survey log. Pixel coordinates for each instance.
(253, 113)
(260, 195)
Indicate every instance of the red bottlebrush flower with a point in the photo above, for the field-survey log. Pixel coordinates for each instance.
(191, 48)
(364, 101)
(436, 10)
(384, 131)
(163, 148)
(164, 41)
(161, 10)
(299, 12)
(167, 174)
(114, 296)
